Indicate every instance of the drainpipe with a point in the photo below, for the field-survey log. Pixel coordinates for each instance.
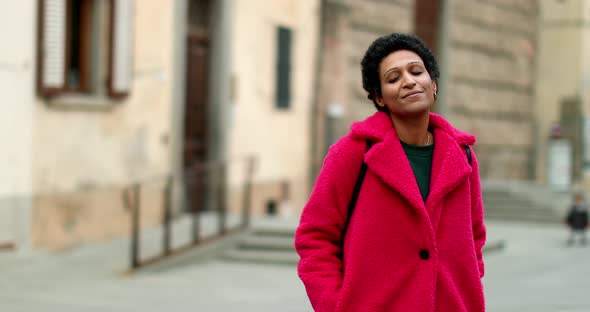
(179, 31)
(316, 112)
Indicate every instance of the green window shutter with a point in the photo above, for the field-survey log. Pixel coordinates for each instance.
(283, 78)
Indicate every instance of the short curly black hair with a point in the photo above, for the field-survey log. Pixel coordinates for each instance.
(386, 45)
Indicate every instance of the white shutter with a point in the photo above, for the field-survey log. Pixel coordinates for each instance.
(52, 46)
(121, 47)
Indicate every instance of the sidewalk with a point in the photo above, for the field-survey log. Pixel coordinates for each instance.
(108, 258)
(93, 278)
(90, 279)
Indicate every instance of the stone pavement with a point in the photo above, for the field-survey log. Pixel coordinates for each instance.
(522, 277)
(537, 271)
(94, 278)
(210, 286)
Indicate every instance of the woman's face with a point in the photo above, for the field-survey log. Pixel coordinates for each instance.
(406, 87)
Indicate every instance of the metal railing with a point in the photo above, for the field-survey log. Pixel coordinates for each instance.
(203, 186)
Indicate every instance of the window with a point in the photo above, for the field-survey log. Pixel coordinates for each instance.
(83, 44)
(77, 45)
(283, 76)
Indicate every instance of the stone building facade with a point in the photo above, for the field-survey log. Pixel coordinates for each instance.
(102, 117)
(109, 94)
(563, 90)
(490, 80)
(74, 153)
(274, 41)
(486, 52)
(16, 122)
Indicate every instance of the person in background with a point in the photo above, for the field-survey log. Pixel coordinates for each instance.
(577, 220)
(414, 239)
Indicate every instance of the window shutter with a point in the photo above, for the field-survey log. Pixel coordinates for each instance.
(51, 47)
(121, 48)
(283, 78)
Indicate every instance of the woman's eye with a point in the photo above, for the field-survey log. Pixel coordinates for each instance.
(392, 80)
(417, 72)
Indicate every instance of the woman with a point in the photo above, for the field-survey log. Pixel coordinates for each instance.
(414, 240)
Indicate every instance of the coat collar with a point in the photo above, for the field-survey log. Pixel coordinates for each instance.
(387, 158)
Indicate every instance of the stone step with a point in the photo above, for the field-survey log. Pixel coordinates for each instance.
(532, 215)
(274, 232)
(268, 244)
(519, 208)
(507, 201)
(504, 205)
(496, 193)
(258, 242)
(292, 258)
(532, 219)
(261, 256)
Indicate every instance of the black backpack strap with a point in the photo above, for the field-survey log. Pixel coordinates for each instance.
(355, 192)
(468, 151)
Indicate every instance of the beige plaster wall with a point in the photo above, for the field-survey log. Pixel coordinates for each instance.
(279, 139)
(17, 67)
(86, 154)
(560, 67)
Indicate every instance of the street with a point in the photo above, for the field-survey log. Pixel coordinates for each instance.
(535, 272)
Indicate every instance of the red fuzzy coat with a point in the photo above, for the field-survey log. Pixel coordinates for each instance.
(400, 254)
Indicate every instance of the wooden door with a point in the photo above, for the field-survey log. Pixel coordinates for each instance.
(195, 139)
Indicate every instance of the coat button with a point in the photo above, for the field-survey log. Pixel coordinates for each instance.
(424, 254)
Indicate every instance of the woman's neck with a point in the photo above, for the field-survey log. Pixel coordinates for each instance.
(413, 131)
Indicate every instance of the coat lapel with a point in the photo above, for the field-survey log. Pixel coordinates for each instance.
(388, 160)
(449, 167)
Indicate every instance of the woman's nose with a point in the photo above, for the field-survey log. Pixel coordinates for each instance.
(408, 81)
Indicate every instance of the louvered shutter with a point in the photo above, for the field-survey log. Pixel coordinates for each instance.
(121, 48)
(51, 47)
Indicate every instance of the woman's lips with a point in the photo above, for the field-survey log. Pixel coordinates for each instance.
(412, 94)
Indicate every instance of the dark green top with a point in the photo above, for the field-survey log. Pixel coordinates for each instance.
(420, 158)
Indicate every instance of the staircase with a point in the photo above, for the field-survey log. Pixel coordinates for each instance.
(265, 244)
(519, 201)
(272, 242)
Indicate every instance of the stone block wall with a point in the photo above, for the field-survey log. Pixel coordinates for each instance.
(491, 82)
(368, 21)
(349, 27)
(490, 52)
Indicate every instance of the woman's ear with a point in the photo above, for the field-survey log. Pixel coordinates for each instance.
(379, 101)
(434, 88)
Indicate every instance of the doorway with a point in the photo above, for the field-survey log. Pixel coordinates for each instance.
(196, 145)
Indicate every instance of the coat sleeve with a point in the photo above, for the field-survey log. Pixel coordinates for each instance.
(477, 214)
(319, 234)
